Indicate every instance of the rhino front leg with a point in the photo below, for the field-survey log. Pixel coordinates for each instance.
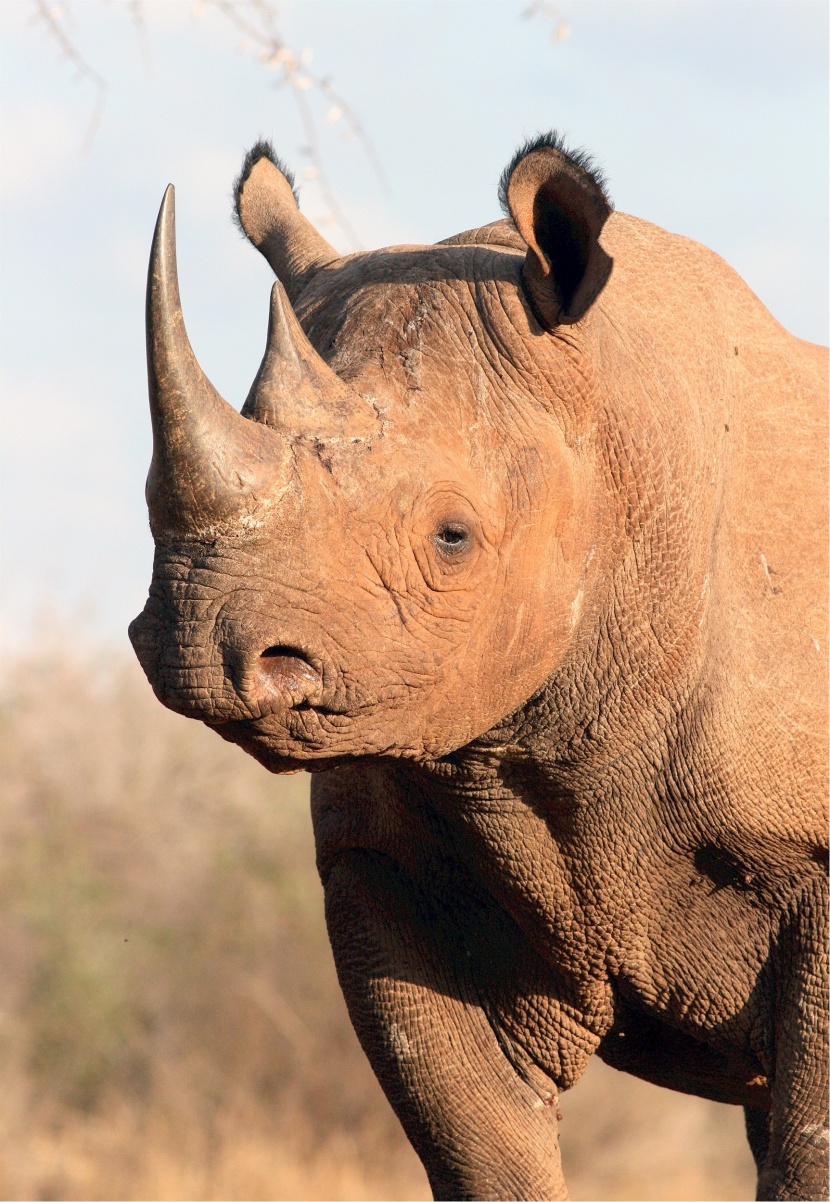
(757, 1133)
(796, 1161)
(480, 1131)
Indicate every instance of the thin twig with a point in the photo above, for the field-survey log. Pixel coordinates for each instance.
(139, 20)
(309, 127)
(50, 18)
(548, 12)
(272, 51)
(257, 20)
(358, 131)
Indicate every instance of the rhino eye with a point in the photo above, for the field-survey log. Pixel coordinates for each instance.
(451, 538)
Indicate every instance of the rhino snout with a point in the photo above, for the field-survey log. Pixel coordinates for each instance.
(226, 678)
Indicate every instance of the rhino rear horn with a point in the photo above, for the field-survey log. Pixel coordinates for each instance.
(557, 200)
(209, 463)
(268, 213)
(295, 390)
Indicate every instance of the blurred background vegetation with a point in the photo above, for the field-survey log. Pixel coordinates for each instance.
(170, 1021)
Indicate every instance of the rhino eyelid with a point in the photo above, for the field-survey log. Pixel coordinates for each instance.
(452, 538)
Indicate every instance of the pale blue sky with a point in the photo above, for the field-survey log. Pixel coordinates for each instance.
(709, 118)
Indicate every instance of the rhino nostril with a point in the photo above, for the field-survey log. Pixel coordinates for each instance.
(280, 651)
(287, 671)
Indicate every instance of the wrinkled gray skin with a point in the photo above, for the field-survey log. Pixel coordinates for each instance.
(522, 556)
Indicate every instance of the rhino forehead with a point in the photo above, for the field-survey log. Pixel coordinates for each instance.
(389, 310)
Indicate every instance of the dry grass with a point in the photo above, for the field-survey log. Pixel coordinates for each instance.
(170, 1022)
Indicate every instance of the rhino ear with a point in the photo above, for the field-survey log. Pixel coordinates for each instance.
(557, 200)
(267, 212)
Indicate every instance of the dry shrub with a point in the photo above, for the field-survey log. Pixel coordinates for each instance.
(170, 1020)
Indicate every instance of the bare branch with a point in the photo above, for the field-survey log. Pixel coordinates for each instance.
(139, 20)
(551, 13)
(50, 17)
(320, 175)
(340, 107)
(274, 53)
(257, 21)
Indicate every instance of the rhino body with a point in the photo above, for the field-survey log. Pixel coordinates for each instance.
(519, 546)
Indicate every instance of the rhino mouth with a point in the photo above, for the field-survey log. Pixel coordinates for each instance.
(299, 739)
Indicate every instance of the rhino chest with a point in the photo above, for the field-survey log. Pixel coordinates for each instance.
(601, 919)
(563, 928)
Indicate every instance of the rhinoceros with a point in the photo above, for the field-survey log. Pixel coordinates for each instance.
(518, 546)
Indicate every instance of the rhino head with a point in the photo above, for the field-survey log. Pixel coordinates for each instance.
(389, 549)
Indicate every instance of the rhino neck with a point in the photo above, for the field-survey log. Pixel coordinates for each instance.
(620, 705)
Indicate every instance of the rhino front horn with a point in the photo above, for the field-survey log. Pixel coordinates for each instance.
(209, 463)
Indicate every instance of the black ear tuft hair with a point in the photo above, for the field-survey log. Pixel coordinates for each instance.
(262, 149)
(558, 203)
(555, 141)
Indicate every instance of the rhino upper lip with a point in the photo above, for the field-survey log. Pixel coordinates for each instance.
(261, 726)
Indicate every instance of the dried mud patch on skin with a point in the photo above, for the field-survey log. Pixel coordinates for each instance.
(172, 1025)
